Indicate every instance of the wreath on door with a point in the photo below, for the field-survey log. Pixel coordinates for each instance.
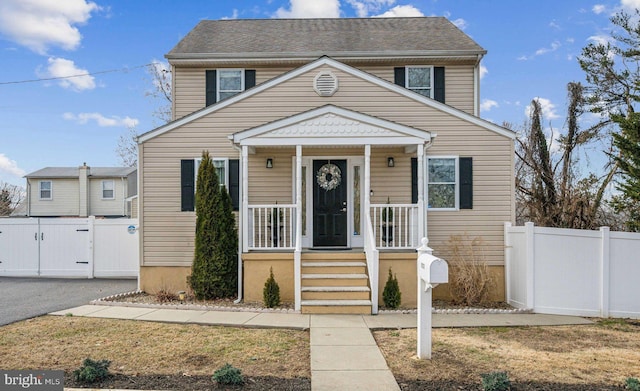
(329, 176)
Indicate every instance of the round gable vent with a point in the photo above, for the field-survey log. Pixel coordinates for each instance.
(325, 83)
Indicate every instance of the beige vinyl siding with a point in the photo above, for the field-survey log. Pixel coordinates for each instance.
(189, 85)
(168, 234)
(107, 207)
(65, 199)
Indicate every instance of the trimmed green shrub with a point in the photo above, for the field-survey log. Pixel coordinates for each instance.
(92, 371)
(214, 272)
(391, 294)
(271, 292)
(495, 381)
(228, 375)
(632, 384)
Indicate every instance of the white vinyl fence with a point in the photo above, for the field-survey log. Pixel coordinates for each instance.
(573, 272)
(69, 247)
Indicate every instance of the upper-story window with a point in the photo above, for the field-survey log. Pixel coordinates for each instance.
(230, 82)
(224, 83)
(426, 80)
(420, 80)
(108, 190)
(45, 189)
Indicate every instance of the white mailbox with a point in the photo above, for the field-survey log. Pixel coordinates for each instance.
(433, 270)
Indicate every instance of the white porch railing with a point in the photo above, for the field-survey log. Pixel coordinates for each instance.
(271, 227)
(395, 226)
(372, 256)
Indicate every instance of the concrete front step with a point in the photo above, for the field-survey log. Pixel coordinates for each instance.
(333, 256)
(336, 293)
(336, 306)
(334, 279)
(334, 267)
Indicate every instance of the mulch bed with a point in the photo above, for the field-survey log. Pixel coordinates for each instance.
(190, 383)
(416, 385)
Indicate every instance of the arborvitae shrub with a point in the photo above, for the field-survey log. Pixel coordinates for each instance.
(271, 292)
(92, 371)
(391, 294)
(228, 375)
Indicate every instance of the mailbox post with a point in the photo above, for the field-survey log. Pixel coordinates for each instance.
(431, 272)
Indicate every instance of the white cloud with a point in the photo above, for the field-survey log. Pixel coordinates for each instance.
(548, 109)
(460, 23)
(365, 7)
(488, 104)
(234, 15)
(63, 68)
(101, 120)
(310, 9)
(400, 11)
(555, 45)
(10, 166)
(483, 71)
(598, 9)
(40, 24)
(554, 25)
(571, 40)
(630, 5)
(601, 39)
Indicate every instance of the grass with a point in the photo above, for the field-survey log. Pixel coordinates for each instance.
(604, 353)
(62, 343)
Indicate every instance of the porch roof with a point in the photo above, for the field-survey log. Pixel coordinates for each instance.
(331, 125)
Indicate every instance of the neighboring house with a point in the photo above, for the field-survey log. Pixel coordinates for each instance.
(81, 191)
(342, 143)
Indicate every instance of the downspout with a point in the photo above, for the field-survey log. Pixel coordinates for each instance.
(476, 87)
(124, 197)
(240, 237)
(425, 170)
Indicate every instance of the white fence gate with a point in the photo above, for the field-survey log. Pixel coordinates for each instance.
(573, 272)
(69, 247)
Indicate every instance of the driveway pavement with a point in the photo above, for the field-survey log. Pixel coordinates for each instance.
(24, 298)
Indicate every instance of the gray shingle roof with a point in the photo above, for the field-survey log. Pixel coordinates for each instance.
(331, 37)
(72, 172)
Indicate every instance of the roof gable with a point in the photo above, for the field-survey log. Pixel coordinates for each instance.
(326, 61)
(341, 126)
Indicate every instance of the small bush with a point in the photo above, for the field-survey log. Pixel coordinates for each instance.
(495, 381)
(469, 282)
(391, 294)
(228, 375)
(632, 384)
(165, 296)
(271, 292)
(92, 371)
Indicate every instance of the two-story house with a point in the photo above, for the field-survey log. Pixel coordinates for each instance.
(342, 143)
(81, 191)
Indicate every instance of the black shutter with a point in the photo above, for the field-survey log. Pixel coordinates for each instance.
(414, 180)
(234, 183)
(211, 88)
(466, 182)
(187, 181)
(399, 76)
(438, 84)
(249, 78)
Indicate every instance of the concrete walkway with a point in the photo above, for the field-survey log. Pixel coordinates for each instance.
(344, 355)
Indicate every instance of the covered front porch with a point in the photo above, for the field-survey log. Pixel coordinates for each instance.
(347, 183)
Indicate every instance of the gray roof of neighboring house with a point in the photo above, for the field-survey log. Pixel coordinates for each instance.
(298, 37)
(72, 172)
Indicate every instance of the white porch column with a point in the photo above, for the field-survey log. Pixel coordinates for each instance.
(297, 275)
(245, 198)
(422, 216)
(367, 178)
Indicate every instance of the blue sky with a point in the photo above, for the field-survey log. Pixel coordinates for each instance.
(532, 53)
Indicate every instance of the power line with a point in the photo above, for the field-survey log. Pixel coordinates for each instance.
(79, 75)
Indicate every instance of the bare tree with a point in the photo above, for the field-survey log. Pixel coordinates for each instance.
(11, 196)
(161, 80)
(127, 148)
(549, 193)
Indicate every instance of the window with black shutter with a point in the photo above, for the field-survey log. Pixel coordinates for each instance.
(425, 80)
(225, 83)
(188, 175)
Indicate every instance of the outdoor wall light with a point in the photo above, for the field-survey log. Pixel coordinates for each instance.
(370, 193)
(390, 162)
(269, 162)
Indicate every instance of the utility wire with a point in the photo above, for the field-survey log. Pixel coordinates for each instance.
(80, 75)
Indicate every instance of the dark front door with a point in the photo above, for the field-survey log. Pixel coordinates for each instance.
(330, 203)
